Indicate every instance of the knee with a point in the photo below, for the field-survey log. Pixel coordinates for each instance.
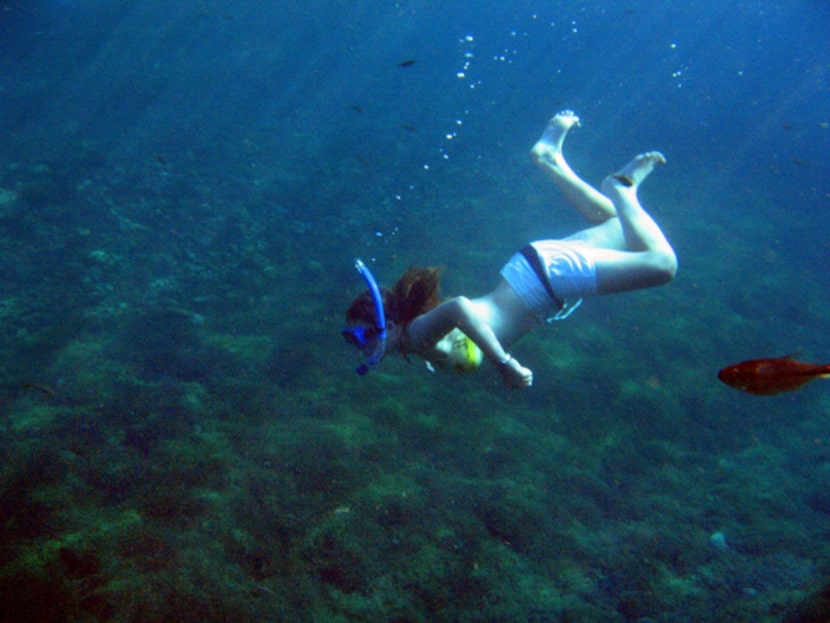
(666, 266)
(660, 267)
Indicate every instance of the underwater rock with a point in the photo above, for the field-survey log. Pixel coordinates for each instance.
(813, 609)
(819, 501)
(718, 542)
(9, 204)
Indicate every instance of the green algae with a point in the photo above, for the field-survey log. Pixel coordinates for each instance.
(343, 497)
(32, 418)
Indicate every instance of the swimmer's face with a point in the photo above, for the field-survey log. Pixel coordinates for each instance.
(363, 338)
(370, 341)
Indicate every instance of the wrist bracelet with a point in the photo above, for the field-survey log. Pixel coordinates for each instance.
(503, 362)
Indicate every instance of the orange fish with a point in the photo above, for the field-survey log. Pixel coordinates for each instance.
(771, 376)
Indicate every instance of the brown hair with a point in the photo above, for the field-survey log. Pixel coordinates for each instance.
(415, 293)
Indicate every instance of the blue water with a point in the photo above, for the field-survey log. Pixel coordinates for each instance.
(183, 188)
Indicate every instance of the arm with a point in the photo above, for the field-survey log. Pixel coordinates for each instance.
(426, 330)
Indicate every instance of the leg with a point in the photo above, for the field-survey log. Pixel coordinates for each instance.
(648, 258)
(639, 229)
(547, 154)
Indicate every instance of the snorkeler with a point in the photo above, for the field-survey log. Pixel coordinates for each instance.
(546, 280)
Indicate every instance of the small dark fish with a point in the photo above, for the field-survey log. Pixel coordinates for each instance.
(407, 63)
(357, 108)
(159, 158)
(44, 389)
(772, 376)
(409, 127)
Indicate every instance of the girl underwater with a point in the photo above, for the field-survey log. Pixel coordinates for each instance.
(623, 250)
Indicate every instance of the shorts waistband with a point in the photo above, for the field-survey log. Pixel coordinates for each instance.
(532, 257)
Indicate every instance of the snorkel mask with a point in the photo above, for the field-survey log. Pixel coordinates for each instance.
(372, 341)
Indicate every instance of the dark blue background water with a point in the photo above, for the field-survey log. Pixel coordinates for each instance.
(194, 179)
(733, 89)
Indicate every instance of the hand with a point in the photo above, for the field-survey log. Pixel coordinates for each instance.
(515, 375)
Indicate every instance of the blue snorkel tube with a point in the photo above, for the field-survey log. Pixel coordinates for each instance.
(379, 349)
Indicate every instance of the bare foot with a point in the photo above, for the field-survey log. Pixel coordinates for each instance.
(632, 174)
(549, 146)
